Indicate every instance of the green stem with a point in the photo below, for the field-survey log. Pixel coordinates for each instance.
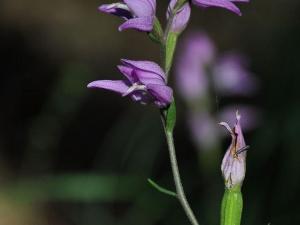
(170, 48)
(177, 180)
(232, 206)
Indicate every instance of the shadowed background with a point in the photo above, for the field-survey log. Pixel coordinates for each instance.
(69, 155)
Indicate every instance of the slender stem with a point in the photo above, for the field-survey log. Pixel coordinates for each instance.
(168, 115)
(177, 180)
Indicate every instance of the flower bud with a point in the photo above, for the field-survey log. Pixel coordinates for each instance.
(181, 17)
(234, 162)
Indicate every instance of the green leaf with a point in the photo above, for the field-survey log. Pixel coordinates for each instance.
(161, 189)
(75, 187)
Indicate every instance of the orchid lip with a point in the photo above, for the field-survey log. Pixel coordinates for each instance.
(134, 87)
(115, 5)
(120, 6)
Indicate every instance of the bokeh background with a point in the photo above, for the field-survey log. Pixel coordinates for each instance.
(72, 156)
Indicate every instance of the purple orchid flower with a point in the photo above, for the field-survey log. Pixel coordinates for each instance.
(234, 162)
(198, 61)
(196, 52)
(139, 14)
(145, 83)
(231, 76)
(181, 18)
(226, 4)
(200, 74)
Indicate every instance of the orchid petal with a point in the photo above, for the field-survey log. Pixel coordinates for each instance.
(118, 86)
(218, 3)
(141, 8)
(238, 131)
(240, 1)
(146, 77)
(139, 23)
(224, 124)
(127, 72)
(162, 93)
(153, 4)
(117, 9)
(146, 66)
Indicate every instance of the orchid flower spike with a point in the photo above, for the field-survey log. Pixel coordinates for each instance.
(226, 4)
(181, 18)
(145, 83)
(139, 14)
(234, 162)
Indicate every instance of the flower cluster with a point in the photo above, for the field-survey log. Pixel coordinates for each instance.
(145, 81)
(198, 70)
(201, 76)
(140, 14)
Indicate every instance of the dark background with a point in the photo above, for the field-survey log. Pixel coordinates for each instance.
(75, 156)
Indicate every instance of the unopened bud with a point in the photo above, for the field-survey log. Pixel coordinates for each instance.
(234, 162)
(181, 16)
